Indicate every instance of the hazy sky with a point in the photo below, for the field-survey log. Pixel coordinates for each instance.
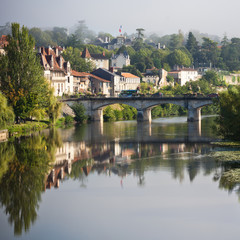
(163, 17)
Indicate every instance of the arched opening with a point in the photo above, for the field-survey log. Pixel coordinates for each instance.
(168, 110)
(119, 112)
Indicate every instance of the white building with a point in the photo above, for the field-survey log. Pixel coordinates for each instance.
(120, 60)
(57, 71)
(184, 75)
(129, 81)
(98, 60)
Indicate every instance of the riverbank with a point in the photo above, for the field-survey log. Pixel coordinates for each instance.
(23, 128)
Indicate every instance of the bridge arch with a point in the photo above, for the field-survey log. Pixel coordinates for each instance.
(94, 106)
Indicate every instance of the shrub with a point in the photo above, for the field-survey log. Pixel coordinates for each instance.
(68, 120)
(79, 111)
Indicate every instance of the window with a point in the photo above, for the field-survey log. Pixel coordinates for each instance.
(68, 79)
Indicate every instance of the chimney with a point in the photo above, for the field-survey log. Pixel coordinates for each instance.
(103, 53)
(51, 62)
(56, 51)
(158, 46)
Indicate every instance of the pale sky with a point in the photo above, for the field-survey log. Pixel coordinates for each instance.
(163, 17)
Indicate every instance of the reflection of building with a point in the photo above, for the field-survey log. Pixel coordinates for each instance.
(113, 157)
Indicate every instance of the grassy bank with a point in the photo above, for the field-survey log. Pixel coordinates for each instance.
(23, 128)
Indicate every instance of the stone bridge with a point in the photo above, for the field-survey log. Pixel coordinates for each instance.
(94, 106)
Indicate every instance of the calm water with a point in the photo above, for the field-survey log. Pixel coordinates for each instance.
(121, 180)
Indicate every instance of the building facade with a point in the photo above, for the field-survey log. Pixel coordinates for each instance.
(98, 60)
(56, 70)
(120, 60)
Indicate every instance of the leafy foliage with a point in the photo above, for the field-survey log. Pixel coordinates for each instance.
(73, 55)
(21, 75)
(79, 111)
(6, 113)
(229, 116)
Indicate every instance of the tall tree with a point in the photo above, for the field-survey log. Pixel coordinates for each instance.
(21, 75)
(140, 34)
(192, 47)
(209, 52)
(229, 117)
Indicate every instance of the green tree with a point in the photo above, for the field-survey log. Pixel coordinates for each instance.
(53, 107)
(6, 112)
(229, 116)
(209, 53)
(180, 58)
(73, 55)
(108, 114)
(21, 74)
(82, 32)
(42, 38)
(79, 111)
(192, 47)
(176, 41)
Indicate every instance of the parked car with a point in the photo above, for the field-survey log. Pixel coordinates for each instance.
(213, 95)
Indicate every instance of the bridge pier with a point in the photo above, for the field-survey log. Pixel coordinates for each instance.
(144, 115)
(194, 114)
(97, 115)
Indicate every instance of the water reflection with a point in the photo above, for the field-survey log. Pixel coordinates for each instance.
(23, 178)
(34, 164)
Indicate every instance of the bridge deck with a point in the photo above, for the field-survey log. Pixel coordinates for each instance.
(135, 98)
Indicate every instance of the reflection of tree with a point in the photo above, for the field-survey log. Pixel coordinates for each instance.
(22, 184)
(230, 180)
(7, 152)
(193, 168)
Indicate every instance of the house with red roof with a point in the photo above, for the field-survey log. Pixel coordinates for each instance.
(81, 82)
(100, 85)
(129, 81)
(98, 60)
(3, 43)
(56, 70)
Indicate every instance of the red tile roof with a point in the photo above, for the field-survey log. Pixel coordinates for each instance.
(80, 74)
(128, 75)
(3, 41)
(86, 53)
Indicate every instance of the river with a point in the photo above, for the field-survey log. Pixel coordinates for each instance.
(120, 180)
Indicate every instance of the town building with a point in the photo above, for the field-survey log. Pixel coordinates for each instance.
(100, 85)
(129, 81)
(110, 76)
(81, 82)
(56, 70)
(184, 75)
(120, 60)
(157, 77)
(3, 43)
(98, 60)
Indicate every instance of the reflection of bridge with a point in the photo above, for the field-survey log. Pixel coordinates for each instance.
(94, 106)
